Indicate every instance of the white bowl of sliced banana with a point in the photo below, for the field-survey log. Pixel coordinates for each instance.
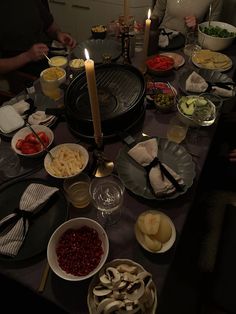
(155, 231)
(122, 286)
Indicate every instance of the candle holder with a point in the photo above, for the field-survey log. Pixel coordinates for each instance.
(125, 41)
(101, 165)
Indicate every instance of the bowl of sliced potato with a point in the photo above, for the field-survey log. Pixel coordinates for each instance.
(155, 231)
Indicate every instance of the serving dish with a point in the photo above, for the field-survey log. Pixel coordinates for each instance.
(31, 142)
(166, 244)
(91, 238)
(211, 60)
(179, 60)
(134, 176)
(69, 160)
(217, 37)
(126, 271)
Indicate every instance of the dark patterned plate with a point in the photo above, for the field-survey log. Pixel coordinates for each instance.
(134, 176)
(42, 225)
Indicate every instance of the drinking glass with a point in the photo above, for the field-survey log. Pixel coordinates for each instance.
(107, 196)
(77, 190)
(191, 44)
(177, 130)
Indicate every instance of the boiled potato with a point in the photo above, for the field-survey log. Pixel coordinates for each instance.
(164, 231)
(151, 223)
(152, 243)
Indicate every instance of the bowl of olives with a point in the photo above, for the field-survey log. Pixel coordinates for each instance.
(164, 102)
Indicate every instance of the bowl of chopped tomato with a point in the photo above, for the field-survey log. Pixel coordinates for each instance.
(160, 65)
(77, 249)
(25, 142)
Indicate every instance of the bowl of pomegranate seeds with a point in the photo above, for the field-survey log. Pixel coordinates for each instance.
(77, 249)
(160, 65)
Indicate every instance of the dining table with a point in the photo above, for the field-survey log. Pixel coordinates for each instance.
(71, 296)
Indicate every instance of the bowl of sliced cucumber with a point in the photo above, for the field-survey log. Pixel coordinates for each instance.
(196, 110)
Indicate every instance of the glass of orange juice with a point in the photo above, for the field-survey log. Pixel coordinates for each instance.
(177, 130)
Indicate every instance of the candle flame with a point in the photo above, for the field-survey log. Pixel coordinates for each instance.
(86, 54)
(149, 13)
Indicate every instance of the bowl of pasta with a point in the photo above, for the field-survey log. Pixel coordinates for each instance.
(66, 160)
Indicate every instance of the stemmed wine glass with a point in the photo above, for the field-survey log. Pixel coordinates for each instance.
(107, 195)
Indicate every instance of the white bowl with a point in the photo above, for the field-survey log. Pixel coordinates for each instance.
(76, 65)
(212, 42)
(22, 133)
(58, 61)
(165, 245)
(75, 223)
(187, 119)
(62, 160)
(53, 74)
(150, 300)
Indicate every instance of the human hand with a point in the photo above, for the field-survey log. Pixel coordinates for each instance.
(232, 155)
(37, 52)
(66, 39)
(191, 21)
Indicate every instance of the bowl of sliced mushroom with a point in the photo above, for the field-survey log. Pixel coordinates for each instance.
(122, 286)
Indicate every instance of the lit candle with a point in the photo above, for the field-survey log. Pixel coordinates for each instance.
(126, 12)
(146, 35)
(93, 97)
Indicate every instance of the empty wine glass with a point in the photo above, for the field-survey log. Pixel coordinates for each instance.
(107, 196)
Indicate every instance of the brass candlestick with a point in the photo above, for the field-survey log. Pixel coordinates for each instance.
(125, 41)
(102, 166)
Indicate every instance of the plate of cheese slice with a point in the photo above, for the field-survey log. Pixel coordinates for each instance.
(211, 60)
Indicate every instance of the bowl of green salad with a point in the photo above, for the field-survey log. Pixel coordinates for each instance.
(217, 36)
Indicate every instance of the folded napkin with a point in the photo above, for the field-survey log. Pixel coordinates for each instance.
(165, 36)
(145, 153)
(196, 83)
(14, 227)
(223, 91)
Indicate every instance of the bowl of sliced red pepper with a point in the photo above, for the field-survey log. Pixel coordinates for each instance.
(25, 142)
(160, 65)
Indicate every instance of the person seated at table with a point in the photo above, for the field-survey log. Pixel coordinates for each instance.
(27, 29)
(182, 15)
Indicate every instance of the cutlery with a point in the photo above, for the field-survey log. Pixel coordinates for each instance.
(209, 16)
(39, 139)
(225, 85)
(44, 278)
(47, 57)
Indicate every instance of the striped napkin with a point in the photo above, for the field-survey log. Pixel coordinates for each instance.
(144, 153)
(14, 227)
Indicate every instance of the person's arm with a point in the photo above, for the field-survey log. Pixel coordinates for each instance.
(35, 53)
(55, 33)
